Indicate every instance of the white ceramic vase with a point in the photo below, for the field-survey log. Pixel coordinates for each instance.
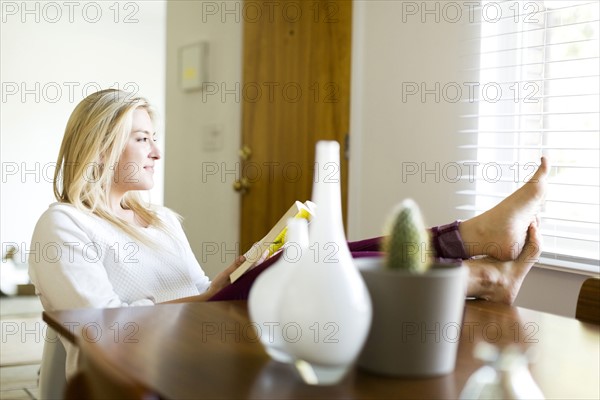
(325, 308)
(264, 298)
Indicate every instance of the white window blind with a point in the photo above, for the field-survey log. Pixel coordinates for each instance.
(539, 95)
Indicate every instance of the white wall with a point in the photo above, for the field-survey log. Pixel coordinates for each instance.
(53, 54)
(207, 202)
(393, 131)
(550, 290)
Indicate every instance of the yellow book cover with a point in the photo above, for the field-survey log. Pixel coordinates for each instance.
(274, 240)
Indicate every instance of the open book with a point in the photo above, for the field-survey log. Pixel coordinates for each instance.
(275, 239)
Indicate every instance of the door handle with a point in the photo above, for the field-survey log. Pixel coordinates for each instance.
(245, 152)
(241, 185)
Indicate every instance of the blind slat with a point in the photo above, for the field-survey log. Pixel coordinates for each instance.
(534, 99)
(517, 147)
(533, 30)
(529, 114)
(531, 14)
(542, 131)
(544, 79)
(501, 196)
(585, 238)
(533, 64)
(539, 46)
(541, 215)
(513, 163)
(470, 178)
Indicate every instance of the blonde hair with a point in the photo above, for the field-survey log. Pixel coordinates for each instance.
(95, 137)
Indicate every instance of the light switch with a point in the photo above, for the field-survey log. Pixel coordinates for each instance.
(212, 139)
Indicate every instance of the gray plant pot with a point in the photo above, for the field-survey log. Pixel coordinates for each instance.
(416, 319)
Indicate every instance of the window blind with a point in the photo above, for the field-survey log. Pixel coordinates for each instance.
(538, 94)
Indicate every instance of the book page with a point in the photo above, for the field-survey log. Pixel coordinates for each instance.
(274, 240)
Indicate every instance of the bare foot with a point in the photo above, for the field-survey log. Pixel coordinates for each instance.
(500, 281)
(501, 231)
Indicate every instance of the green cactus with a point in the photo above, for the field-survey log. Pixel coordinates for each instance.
(406, 239)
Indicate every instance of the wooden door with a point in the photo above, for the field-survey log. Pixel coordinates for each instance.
(295, 91)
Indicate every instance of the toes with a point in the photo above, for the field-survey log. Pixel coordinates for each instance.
(544, 164)
(533, 246)
(534, 234)
(542, 170)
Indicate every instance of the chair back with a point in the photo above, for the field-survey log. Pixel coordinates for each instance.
(52, 378)
(588, 303)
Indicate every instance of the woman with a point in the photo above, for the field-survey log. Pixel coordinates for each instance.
(103, 246)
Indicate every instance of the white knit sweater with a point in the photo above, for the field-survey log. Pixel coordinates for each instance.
(79, 260)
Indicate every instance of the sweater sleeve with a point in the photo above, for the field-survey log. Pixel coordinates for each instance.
(66, 268)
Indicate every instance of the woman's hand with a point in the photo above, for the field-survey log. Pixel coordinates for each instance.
(221, 281)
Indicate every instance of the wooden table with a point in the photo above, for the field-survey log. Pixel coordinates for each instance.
(210, 350)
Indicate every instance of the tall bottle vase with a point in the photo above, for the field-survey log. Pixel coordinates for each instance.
(325, 308)
(265, 294)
